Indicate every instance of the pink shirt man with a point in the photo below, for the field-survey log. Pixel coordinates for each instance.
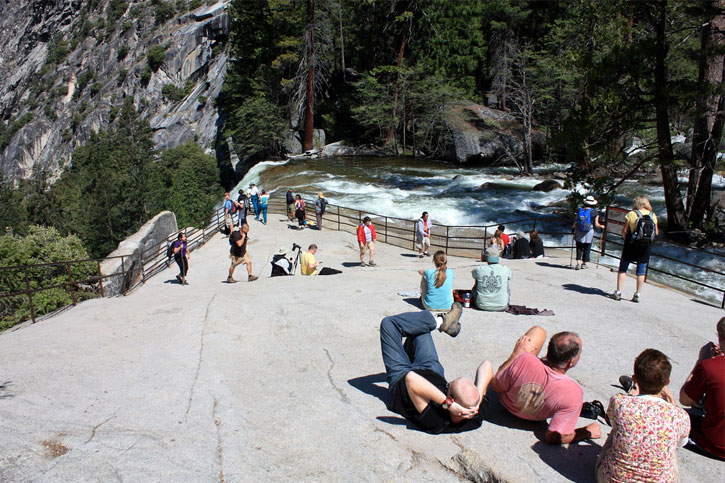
(532, 390)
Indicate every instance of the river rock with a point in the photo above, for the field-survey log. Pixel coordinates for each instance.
(492, 185)
(337, 149)
(547, 185)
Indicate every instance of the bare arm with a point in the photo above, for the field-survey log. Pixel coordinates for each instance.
(422, 392)
(686, 400)
(484, 375)
(524, 344)
(421, 272)
(597, 224)
(590, 431)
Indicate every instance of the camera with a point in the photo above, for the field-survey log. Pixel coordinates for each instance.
(296, 247)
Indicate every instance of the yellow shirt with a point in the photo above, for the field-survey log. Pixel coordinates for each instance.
(632, 218)
(307, 260)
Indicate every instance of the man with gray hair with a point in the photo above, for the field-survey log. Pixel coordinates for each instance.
(537, 390)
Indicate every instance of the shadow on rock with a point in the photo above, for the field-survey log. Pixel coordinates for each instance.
(585, 290)
(368, 385)
(499, 415)
(399, 421)
(553, 265)
(575, 462)
(350, 264)
(409, 255)
(415, 302)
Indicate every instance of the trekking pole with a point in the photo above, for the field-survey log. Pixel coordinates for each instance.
(571, 252)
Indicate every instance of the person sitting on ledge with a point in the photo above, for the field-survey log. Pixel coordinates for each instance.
(521, 247)
(537, 390)
(536, 244)
(708, 379)
(647, 426)
(416, 381)
(309, 264)
(491, 291)
(436, 285)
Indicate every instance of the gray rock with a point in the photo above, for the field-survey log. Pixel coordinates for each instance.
(547, 185)
(337, 149)
(154, 231)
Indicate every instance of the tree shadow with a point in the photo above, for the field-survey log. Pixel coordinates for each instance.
(575, 462)
(415, 302)
(553, 265)
(585, 290)
(368, 385)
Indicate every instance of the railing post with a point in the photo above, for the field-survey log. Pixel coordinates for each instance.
(386, 229)
(123, 276)
(447, 227)
(29, 293)
(100, 277)
(338, 218)
(70, 282)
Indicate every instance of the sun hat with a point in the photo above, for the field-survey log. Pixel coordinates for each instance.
(282, 251)
(521, 234)
(589, 200)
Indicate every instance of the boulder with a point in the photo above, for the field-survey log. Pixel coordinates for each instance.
(337, 149)
(154, 231)
(548, 185)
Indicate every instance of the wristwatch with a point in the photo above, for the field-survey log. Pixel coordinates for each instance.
(447, 403)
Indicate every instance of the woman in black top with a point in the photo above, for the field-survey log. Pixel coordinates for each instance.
(536, 244)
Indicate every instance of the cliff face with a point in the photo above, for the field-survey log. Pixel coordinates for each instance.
(66, 66)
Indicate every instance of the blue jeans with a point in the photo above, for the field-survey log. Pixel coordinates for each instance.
(263, 209)
(255, 203)
(419, 351)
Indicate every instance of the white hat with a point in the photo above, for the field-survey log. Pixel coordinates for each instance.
(589, 200)
(282, 251)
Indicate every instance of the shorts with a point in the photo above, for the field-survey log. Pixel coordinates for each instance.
(368, 246)
(290, 208)
(641, 267)
(228, 219)
(239, 260)
(424, 244)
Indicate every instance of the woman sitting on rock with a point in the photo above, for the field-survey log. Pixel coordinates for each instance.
(497, 242)
(436, 285)
(536, 244)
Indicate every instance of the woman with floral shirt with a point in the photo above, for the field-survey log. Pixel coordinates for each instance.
(647, 427)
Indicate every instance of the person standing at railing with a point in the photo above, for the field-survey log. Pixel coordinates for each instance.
(242, 208)
(253, 194)
(640, 230)
(300, 211)
(290, 197)
(587, 218)
(263, 200)
(228, 208)
(181, 257)
(366, 238)
(422, 235)
(320, 206)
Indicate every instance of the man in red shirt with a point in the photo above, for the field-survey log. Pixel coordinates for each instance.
(366, 241)
(536, 390)
(708, 379)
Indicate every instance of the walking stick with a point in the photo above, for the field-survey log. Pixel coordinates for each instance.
(571, 252)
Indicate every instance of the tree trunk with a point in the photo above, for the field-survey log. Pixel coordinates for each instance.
(310, 97)
(396, 88)
(673, 197)
(709, 115)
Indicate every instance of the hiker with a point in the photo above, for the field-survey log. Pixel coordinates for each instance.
(242, 208)
(491, 291)
(647, 426)
(436, 284)
(536, 244)
(640, 230)
(366, 241)
(263, 203)
(521, 248)
(537, 390)
(181, 257)
(707, 435)
(228, 210)
(496, 243)
(290, 198)
(300, 211)
(417, 386)
(422, 235)
(320, 207)
(587, 218)
(281, 264)
(253, 194)
(507, 247)
(238, 253)
(310, 265)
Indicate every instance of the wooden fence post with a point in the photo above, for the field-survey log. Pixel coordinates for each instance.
(30, 294)
(70, 282)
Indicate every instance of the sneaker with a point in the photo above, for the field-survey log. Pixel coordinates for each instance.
(231, 280)
(577, 267)
(635, 298)
(615, 296)
(372, 263)
(252, 278)
(426, 254)
(626, 382)
(178, 277)
(584, 266)
(185, 283)
(451, 320)
(363, 264)
(420, 256)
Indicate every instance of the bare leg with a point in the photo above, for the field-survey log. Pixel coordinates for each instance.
(620, 280)
(249, 268)
(371, 246)
(640, 283)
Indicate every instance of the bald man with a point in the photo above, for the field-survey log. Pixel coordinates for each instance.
(537, 390)
(416, 380)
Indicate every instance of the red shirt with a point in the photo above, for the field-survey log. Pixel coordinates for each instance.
(708, 377)
(361, 232)
(505, 239)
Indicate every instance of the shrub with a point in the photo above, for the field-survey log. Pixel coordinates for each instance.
(122, 53)
(96, 88)
(146, 75)
(155, 57)
(163, 11)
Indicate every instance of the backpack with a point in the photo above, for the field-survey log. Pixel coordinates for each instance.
(323, 205)
(644, 229)
(234, 208)
(170, 250)
(584, 220)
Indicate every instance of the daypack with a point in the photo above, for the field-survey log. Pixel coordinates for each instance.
(584, 220)
(644, 229)
(323, 205)
(234, 208)
(170, 250)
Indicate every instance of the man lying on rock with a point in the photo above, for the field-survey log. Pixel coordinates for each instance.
(536, 390)
(416, 381)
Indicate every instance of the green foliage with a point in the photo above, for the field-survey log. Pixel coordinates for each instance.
(122, 53)
(96, 88)
(146, 75)
(260, 127)
(7, 133)
(41, 245)
(163, 11)
(83, 80)
(176, 94)
(57, 50)
(115, 10)
(155, 57)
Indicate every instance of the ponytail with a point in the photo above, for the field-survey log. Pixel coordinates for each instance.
(441, 263)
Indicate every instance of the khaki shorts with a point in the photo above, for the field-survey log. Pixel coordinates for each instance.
(367, 246)
(425, 244)
(291, 209)
(227, 219)
(239, 260)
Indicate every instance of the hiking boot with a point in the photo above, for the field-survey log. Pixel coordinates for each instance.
(577, 267)
(363, 264)
(231, 280)
(426, 254)
(372, 263)
(451, 320)
(185, 283)
(420, 256)
(626, 382)
(252, 278)
(635, 298)
(615, 296)
(178, 277)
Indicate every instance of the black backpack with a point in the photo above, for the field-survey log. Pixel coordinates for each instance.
(323, 205)
(644, 229)
(170, 250)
